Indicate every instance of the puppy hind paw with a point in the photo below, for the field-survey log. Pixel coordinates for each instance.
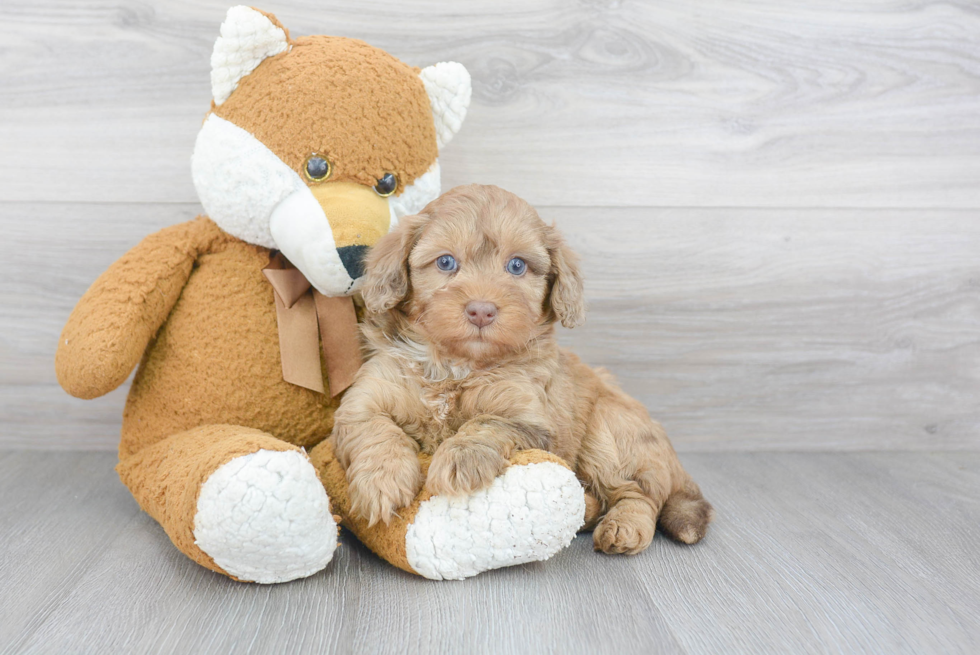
(458, 470)
(623, 533)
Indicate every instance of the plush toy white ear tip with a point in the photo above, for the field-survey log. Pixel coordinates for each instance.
(449, 88)
(247, 37)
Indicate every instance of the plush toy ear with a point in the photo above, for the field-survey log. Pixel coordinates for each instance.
(386, 281)
(567, 296)
(247, 37)
(449, 88)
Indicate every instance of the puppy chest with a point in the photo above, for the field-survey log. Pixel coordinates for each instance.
(438, 415)
(441, 404)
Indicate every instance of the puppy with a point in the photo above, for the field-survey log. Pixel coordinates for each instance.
(462, 300)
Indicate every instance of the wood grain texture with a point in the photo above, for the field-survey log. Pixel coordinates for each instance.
(669, 103)
(739, 329)
(851, 553)
(788, 329)
(78, 242)
(58, 516)
(698, 155)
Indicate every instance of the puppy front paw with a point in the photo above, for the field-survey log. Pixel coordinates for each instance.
(460, 469)
(380, 488)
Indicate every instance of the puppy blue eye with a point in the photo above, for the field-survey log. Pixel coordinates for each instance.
(446, 263)
(516, 266)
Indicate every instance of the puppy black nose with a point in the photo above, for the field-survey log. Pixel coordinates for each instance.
(352, 257)
(481, 314)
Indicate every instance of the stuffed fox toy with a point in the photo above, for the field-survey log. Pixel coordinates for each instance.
(243, 321)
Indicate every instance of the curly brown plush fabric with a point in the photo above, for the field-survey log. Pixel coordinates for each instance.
(166, 478)
(216, 360)
(195, 300)
(114, 321)
(364, 110)
(192, 303)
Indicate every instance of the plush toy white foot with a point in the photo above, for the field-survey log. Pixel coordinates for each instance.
(265, 517)
(528, 514)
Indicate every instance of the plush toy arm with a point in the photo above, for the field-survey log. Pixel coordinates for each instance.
(114, 321)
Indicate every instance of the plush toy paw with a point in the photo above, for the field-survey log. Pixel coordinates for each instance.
(527, 514)
(265, 517)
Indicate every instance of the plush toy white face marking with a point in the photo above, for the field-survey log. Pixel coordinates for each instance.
(322, 226)
(239, 180)
(251, 194)
(425, 189)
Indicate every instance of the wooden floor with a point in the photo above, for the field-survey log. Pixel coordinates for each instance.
(810, 553)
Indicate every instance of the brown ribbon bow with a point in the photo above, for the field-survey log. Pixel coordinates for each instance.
(305, 316)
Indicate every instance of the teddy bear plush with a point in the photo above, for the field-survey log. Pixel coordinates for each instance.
(243, 322)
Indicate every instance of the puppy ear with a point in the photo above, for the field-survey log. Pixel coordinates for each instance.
(386, 281)
(567, 296)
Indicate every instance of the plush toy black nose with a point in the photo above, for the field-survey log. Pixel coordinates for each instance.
(352, 257)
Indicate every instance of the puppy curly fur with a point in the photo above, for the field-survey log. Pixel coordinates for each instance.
(438, 383)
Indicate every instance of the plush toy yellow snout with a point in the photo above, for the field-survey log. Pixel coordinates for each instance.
(358, 218)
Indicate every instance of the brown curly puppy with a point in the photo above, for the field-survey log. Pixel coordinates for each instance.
(462, 301)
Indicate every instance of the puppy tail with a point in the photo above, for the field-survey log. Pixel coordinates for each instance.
(686, 514)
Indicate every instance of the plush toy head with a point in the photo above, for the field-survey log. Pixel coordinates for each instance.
(316, 146)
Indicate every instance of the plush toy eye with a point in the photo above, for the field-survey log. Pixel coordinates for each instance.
(516, 266)
(317, 168)
(386, 185)
(446, 263)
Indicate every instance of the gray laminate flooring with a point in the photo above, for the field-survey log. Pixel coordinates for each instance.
(810, 553)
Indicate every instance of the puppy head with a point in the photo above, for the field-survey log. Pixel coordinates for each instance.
(477, 273)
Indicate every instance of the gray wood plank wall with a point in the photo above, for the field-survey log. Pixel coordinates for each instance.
(778, 206)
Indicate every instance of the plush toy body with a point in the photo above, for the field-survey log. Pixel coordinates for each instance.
(312, 151)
